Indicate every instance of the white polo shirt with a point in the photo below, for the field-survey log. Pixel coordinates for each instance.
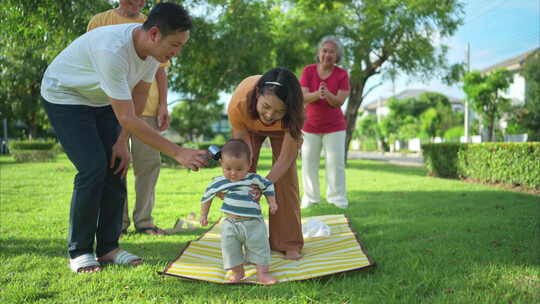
(101, 63)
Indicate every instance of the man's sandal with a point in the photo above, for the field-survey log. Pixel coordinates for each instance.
(84, 263)
(181, 225)
(154, 230)
(122, 258)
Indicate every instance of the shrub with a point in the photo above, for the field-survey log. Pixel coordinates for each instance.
(516, 164)
(508, 163)
(454, 133)
(368, 144)
(220, 139)
(23, 156)
(31, 145)
(33, 151)
(441, 159)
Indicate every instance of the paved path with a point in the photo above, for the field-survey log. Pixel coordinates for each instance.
(393, 158)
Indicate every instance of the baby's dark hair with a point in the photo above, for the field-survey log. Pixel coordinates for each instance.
(236, 148)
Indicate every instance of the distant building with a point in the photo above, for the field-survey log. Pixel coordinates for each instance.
(380, 107)
(516, 91)
(221, 126)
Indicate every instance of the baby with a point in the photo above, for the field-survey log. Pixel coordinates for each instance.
(244, 238)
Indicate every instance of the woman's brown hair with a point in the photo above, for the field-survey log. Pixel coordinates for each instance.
(282, 83)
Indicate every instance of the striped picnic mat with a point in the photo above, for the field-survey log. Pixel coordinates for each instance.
(339, 252)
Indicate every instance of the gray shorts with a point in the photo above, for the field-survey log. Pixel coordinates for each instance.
(244, 240)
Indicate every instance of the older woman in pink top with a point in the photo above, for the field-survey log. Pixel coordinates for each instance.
(325, 87)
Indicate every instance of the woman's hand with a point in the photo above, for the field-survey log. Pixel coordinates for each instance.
(286, 159)
(120, 151)
(323, 90)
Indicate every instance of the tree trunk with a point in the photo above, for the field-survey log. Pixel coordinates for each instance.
(490, 128)
(351, 113)
(32, 127)
(491, 124)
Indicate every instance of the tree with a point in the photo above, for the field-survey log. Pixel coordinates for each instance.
(31, 35)
(429, 122)
(230, 40)
(386, 35)
(485, 93)
(368, 127)
(379, 37)
(192, 119)
(530, 114)
(437, 115)
(409, 129)
(297, 26)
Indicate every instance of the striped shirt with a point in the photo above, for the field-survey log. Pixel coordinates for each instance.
(237, 199)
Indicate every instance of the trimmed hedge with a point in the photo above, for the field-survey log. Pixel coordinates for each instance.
(441, 159)
(31, 145)
(515, 164)
(24, 156)
(33, 151)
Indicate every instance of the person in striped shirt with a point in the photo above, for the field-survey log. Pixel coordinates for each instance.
(244, 238)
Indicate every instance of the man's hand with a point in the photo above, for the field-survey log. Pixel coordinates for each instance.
(163, 118)
(191, 158)
(120, 151)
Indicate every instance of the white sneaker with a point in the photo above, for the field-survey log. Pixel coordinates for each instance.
(341, 205)
(306, 204)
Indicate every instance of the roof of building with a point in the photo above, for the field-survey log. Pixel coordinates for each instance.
(409, 93)
(512, 64)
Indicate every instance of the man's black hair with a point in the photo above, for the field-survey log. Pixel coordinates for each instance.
(169, 18)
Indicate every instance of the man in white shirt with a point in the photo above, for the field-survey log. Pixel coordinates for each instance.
(94, 91)
(146, 161)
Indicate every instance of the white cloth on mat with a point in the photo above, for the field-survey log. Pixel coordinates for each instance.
(315, 228)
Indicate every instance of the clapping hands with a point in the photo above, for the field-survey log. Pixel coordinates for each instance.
(323, 90)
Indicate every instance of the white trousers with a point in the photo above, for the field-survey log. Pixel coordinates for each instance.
(334, 147)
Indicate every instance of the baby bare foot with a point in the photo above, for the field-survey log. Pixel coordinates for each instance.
(236, 277)
(266, 279)
(293, 255)
(263, 275)
(237, 274)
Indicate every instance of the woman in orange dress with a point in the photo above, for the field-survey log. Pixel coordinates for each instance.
(271, 105)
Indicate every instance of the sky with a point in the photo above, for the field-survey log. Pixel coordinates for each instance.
(496, 30)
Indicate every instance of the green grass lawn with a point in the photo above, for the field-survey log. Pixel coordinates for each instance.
(434, 241)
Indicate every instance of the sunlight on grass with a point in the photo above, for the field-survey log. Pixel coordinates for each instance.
(434, 241)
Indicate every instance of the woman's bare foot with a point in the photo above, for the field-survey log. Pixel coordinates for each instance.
(293, 255)
(237, 274)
